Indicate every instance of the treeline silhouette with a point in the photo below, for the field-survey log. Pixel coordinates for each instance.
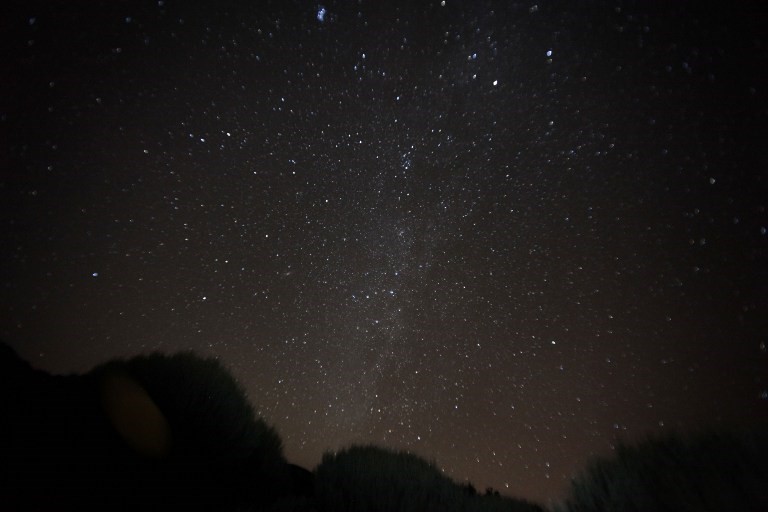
(372, 479)
(177, 432)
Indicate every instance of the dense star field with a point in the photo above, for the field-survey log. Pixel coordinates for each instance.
(499, 235)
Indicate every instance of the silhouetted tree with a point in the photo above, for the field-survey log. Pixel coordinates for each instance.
(707, 472)
(153, 432)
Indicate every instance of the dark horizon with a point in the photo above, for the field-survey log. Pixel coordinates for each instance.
(501, 236)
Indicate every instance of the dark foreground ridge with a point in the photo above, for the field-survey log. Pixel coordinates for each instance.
(176, 432)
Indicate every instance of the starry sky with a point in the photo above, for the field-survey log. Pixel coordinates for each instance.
(500, 235)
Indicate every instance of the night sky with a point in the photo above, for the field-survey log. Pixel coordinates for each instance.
(502, 236)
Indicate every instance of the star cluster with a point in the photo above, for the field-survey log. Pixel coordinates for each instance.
(500, 235)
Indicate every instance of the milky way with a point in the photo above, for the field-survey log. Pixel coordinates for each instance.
(500, 235)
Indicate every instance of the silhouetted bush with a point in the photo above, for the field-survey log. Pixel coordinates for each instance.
(371, 479)
(708, 472)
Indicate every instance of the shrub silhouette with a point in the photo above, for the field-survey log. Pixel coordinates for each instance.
(153, 432)
(371, 479)
(707, 472)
